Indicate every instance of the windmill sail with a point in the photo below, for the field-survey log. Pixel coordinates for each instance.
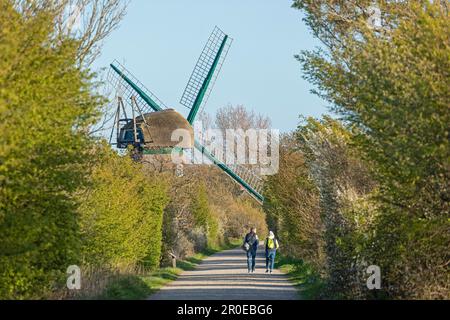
(205, 72)
(129, 86)
(234, 175)
(252, 178)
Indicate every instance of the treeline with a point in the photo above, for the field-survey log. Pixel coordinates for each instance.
(66, 198)
(373, 187)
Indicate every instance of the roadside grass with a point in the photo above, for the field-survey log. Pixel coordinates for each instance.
(303, 276)
(136, 287)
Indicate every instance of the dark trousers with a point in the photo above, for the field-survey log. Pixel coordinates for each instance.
(251, 259)
(270, 259)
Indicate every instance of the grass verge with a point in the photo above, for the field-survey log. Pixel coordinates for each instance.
(303, 276)
(134, 287)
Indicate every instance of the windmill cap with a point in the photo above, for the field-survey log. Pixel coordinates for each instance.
(159, 127)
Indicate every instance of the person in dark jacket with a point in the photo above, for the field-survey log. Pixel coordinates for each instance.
(271, 245)
(251, 243)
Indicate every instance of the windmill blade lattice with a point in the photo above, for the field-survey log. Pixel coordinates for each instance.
(206, 71)
(119, 78)
(252, 178)
(235, 176)
(241, 172)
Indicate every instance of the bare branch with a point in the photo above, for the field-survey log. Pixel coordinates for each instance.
(88, 21)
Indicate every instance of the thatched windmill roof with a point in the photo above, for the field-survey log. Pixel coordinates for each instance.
(159, 127)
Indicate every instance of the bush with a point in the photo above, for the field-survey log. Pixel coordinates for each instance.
(390, 85)
(292, 206)
(121, 214)
(206, 210)
(204, 217)
(46, 104)
(241, 216)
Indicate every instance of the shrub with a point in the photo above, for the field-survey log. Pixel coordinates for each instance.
(121, 214)
(292, 206)
(390, 85)
(46, 104)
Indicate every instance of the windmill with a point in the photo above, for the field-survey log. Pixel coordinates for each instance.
(151, 122)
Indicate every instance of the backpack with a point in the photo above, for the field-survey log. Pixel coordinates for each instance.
(272, 244)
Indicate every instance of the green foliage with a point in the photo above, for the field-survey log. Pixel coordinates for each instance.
(135, 286)
(320, 202)
(396, 94)
(390, 85)
(343, 182)
(213, 232)
(121, 214)
(292, 205)
(200, 207)
(303, 276)
(46, 103)
(204, 216)
(240, 216)
(206, 210)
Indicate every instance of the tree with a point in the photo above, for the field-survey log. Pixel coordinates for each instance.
(390, 84)
(121, 214)
(238, 117)
(292, 206)
(204, 216)
(89, 22)
(239, 129)
(46, 102)
(344, 187)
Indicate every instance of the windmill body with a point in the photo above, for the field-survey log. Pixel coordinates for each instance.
(155, 132)
(149, 126)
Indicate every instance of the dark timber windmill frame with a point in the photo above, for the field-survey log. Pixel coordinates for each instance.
(195, 95)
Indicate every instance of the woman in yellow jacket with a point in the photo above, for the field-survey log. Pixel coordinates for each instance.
(271, 244)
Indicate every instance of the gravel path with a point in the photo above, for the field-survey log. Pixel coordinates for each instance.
(223, 276)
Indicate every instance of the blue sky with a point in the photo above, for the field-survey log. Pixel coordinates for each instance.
(159, 41)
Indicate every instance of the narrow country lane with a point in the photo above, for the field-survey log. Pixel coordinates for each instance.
(223, 276)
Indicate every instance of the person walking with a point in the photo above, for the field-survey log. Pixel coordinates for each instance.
(250, 245)
(271, 244)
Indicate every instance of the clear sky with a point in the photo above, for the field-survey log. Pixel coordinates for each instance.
(159, 41)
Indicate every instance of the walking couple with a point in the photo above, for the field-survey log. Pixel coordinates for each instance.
(250, 245)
